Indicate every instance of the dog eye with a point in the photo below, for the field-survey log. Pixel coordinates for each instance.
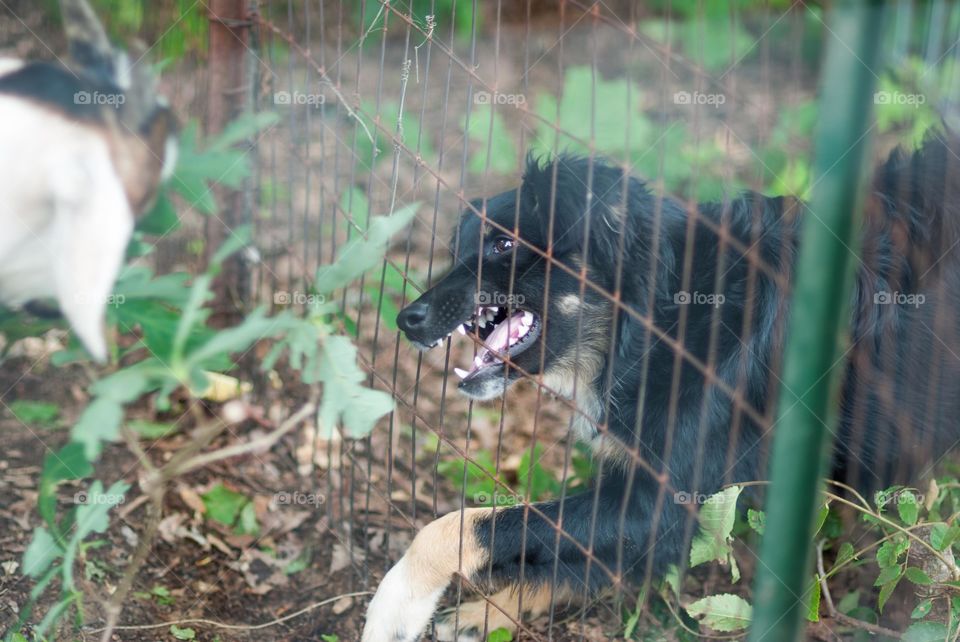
(503, 244)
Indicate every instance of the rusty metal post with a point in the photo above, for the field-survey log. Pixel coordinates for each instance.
(227, 98)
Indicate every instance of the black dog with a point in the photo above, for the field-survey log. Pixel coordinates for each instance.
(670, 353)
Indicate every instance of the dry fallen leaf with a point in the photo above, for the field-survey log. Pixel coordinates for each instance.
(192, 499)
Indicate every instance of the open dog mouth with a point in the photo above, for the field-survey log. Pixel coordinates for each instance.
(502, 336)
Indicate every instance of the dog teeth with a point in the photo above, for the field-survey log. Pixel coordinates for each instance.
(461, 372)
(482, 321)
(462, 329)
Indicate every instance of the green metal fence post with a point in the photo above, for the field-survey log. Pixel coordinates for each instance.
(818, 307)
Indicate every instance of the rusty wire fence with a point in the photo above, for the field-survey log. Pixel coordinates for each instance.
(439, 103)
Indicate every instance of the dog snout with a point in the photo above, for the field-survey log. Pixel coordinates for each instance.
(413, 318)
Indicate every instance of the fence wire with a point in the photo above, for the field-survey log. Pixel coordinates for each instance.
(386, 105)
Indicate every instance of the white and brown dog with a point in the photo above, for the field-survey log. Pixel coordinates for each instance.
(84, 146)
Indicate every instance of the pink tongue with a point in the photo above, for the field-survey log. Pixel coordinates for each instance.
(499, 339)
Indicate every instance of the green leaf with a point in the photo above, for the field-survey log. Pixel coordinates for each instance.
(714, 40)
(495, 149)
(672, 579)
(300, 563)
(632, 621)
(330, 638)
(364, 408)
(69, 462)
(822, 517)
(151, 429)
(942, 536)
(91, 517)
(138, 282)
(888, 575)
(922, 609)
(406, 127)
(907, 507)
(849, 602)
(240, 237)
(888, 554)
(248, 524)
(256, 326)
(844, 554)
(99, 422)
(42, 413)
(917, 576)
(224, 505)
(542, 483)
(41, 553)
(813, 601)
(182, 634)
(123, 386)
(343, 395)
(757, 520)
(925, 632)
(361, 254)
(717, 516)
(592, 108)
(885, 592)
(356, 205)
(161, 219)
(474, 478)
(243, 128)
(725, 612)
(500, 635)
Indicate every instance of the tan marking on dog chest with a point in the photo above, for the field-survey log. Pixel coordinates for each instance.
(568, 304)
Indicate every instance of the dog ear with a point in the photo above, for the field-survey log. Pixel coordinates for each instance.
(559, 198)
(569, 220)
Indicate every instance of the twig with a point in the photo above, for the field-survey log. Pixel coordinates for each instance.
(155, 487)
(843, 618)
(824, 589)
(235, 627)
(260, 443)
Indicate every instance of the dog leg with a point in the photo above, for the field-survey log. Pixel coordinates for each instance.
(408, 594)
(469, 621)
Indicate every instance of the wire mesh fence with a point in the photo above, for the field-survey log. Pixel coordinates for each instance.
(439, 105)
(584, 326)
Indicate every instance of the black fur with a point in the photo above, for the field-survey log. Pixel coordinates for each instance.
(58, 88)
(899, 399)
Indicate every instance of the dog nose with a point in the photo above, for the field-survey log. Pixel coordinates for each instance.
(413, 317)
